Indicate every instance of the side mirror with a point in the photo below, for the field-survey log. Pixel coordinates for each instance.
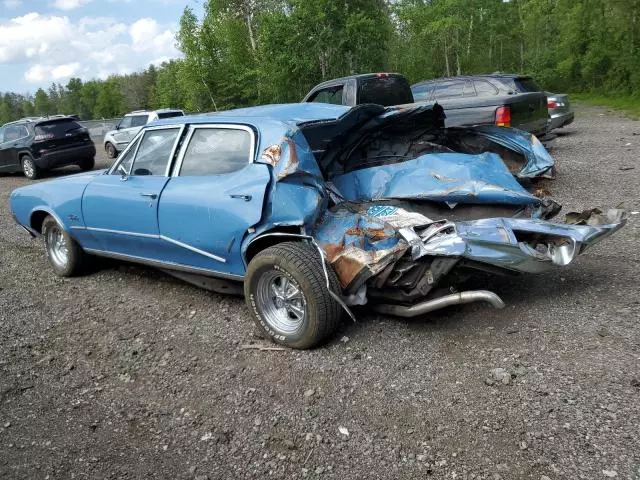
(117, 127)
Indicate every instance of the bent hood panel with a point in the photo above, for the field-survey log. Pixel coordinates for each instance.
(447, 177)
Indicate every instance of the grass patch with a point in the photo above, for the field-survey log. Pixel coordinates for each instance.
(624, 103)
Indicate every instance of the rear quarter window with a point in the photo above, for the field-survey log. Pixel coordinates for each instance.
(422, 93)
(385, 91)
(331, 95)
(214, 151)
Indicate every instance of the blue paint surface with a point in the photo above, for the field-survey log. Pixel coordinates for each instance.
(445, 177)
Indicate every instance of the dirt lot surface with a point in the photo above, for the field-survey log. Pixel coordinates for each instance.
(128, 373)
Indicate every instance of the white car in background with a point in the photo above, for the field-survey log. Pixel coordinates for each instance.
(117, 140)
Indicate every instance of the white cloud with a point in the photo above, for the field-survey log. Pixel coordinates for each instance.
(12, 3)
(54, 48)
(69, 4)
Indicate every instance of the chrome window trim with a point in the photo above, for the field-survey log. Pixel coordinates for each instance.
(141, 134)
(219, 126)
(161, 264)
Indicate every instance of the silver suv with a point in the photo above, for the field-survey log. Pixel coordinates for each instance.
(116, 140)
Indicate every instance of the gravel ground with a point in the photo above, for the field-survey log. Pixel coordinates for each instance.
(128, 373)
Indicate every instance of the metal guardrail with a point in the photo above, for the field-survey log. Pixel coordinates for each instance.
(98, 128)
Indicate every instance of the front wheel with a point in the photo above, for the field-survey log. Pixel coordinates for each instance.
(286, 292)
(65, 255)
(111, 150)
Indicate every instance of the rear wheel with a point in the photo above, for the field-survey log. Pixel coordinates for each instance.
(29, 167)
(111, 150)
(65, 255)
(286, 292)
(87, 164)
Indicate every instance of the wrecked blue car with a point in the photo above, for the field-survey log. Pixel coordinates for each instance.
(310, 209)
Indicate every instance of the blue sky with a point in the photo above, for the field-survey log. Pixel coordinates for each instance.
(45, 41)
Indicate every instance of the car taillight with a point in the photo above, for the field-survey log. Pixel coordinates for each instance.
(503, 116)
(552, 104)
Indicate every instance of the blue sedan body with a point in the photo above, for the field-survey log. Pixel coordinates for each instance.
(213, 224)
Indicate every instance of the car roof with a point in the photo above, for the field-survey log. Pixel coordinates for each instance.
(34, 120)
(361, 76)
(147, 112)
(289, 113)
(472, 77)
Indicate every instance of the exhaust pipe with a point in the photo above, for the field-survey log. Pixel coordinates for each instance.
(438, 303)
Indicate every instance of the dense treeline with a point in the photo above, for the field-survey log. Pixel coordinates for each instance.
(245, 52)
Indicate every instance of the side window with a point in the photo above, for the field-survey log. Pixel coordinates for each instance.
(125, 122)
(126, 159)
(2, 134)
(213, 151)
(139, 120)
(329, 95)
(450, 89)
(484, 88)
(15, 132)
(154, 152)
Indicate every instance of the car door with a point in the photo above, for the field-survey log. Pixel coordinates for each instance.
(137, 122)
(216, 193)
(120, 208)
(13, 137)
(122, 134)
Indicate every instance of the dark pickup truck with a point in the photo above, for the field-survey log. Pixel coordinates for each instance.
(480, 100)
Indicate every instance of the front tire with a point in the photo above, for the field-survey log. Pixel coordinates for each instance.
(111, 150)
(65, 255)
(286, 291)
(29, 168)
(87, 164)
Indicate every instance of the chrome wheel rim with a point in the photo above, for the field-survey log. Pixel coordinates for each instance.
(27, 165)
(111, 151)
(281, 302)
(57, 246)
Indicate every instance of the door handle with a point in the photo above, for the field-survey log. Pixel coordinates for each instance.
(246, 198)
(150, 195)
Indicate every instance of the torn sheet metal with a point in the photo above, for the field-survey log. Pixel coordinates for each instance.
(446, 177)
(537, 160)
(361, 240)
(522, 245)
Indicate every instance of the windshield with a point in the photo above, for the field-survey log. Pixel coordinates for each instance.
(526, 85)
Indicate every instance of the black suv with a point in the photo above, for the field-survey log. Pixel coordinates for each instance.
(34, 145)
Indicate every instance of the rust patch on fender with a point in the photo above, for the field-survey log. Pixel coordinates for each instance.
(271, 155)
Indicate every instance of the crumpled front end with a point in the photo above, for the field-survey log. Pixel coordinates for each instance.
(399, 260)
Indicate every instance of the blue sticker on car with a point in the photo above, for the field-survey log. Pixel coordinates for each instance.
(381, 211)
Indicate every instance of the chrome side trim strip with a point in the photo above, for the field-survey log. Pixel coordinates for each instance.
(118, 232)
(161, 264)
(193, 249)
(160, 237)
